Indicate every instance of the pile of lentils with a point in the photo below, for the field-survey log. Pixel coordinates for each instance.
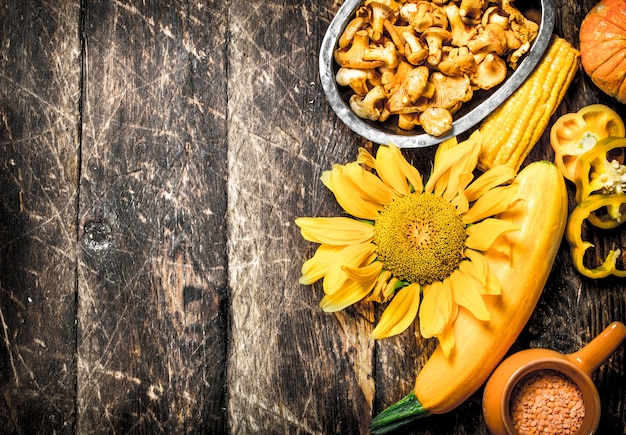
(546, 402)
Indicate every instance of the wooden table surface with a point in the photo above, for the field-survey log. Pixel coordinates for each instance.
(153, 157)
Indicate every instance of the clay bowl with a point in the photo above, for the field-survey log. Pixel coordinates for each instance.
(578, 367)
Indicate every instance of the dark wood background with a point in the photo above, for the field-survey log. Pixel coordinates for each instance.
(153, 157)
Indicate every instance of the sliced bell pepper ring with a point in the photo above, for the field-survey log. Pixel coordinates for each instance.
(578, 246)
(575, 133)
(601, 169)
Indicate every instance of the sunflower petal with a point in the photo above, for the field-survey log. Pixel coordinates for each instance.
(365, 158)
(335, 230)
(472, 159)
(350, 293)
(400, 312)
(367, 185)
(396, 171)
(317, 266)
(491, 203)
(366, 273)
(479, 262)
(393, 285)
(481, 236)
(354, 256)
(446, 340)
(464, 180)
(388, 165)
(460, 201)
(412, 174)
(378, 290)
(464, 156)
(442, 184)
(459, 174)
(467, 293)
(446, 145)
(502, 248)
(488, 287)
(488, 279)
(353, 203)
(443, 148)
(493, 286)
(493, 177)
(437, 308)
(431, 320)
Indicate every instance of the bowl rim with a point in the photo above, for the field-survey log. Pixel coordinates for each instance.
(559, 363)
(460, 125)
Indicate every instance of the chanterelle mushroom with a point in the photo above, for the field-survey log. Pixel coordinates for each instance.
(435, 37)
(471, 8)
(360, 80)
(491, 39)
(492, 15)
(391, 78)
(436, 121)
(391, 4)
(422, 15)
(458, 61)
(490, 72)
(386, 53)
(406, 57)
(409, 90)
(512, 41)
(450, 91)
(348, 33)
(369, 106)
(414, 51)
(461, 32)
(352, 56)
(408, 121)
(524, 29)
(380, 13)
(396, 33)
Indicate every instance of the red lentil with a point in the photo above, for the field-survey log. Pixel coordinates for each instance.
(546, 402)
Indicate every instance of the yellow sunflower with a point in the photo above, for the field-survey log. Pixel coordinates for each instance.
(418, 247)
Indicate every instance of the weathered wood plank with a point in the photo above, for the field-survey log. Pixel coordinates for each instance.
(152, 276)
(39, 117)
(293, 368)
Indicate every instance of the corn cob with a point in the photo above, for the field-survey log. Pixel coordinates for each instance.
(513, 129)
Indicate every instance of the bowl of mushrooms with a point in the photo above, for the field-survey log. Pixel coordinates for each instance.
(417, 72)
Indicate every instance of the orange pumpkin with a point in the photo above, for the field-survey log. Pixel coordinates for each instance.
(603, 47)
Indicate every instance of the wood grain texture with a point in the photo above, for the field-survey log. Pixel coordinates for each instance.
(39, 116)
(154, 156)
(152, 274)
(293, 369)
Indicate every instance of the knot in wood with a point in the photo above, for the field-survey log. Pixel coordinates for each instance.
(97, 235)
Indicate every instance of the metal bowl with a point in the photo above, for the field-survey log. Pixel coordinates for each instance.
(470, 114)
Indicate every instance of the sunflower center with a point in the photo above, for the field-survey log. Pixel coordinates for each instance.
(419, 238)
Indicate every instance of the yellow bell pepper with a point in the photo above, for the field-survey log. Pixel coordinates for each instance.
(601, 170)
(575, 133)
(600, 178)
(578, 246)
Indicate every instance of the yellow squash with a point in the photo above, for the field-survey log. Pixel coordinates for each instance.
(522, 261)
